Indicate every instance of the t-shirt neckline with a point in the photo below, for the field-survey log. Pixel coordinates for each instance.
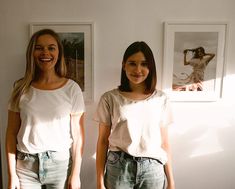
(51, 90)
(135, 100)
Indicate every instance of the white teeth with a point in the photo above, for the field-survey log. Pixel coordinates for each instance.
(45, 59)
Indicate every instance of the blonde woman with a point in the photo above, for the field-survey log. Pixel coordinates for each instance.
(45, 135)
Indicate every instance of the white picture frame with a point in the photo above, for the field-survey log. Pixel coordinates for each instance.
(79, 33)
(179, 79)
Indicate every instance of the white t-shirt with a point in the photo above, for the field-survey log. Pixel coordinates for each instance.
(45, 118)
(135, 124)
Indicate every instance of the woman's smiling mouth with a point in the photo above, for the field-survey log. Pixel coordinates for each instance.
(45, 59)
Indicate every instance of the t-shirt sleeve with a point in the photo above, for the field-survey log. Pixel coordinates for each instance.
(78, 105)
(12, 108)
(167, 116)
(103, 111)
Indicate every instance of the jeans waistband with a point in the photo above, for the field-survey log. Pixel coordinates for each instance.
(128, 156)
(48, 154)
(23, 154)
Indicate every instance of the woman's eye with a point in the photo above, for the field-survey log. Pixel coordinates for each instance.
(38, 48)
(51, 48)
(131, 63)
(144, 64)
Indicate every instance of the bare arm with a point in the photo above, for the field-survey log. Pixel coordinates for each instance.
(186, 50)
(168, 165)
(185, 54)
(101, 154)
(186, 62)
(77, 129)
(211, 56)
(13, 127)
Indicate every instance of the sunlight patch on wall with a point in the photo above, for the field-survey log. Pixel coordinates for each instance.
(94, 156)
(200, 127)
(207, 143)
(227, 93)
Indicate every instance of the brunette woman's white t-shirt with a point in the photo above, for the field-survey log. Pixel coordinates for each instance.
(135, 124)
(45, 118)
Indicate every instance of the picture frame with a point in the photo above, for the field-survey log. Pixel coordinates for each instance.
(78, 42)
(193, 61)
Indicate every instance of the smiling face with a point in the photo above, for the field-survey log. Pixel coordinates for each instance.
(136, 69)
(46, 53)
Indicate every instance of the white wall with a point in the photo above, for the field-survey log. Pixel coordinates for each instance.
(202, 137)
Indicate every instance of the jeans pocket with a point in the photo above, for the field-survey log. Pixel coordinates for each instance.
(26, 162)
(60, 156)
(156, 167)
(113, 157)
(20, 155)
(156, 161)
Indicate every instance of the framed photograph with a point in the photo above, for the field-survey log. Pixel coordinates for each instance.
(193, 63)
(77, 40)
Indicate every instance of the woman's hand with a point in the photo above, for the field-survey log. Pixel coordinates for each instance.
(170, 187)
(101, 187)
(74, 182)
(13, 182)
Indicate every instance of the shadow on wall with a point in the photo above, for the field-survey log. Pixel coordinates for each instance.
(1, 187)
(211, 169)
(88, 169)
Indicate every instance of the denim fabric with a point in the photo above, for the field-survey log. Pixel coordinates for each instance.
(133, 173)
(50, 169)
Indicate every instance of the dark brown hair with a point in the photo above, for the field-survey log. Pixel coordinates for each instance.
(196, 52)
(151, 80)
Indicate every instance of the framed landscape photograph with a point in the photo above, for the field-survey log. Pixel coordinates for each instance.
(194, 56)
(77, 40)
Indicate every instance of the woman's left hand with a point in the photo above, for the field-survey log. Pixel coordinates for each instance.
(170, 187)
(74, 182)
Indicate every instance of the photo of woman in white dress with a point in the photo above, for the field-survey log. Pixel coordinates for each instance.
(198, 59)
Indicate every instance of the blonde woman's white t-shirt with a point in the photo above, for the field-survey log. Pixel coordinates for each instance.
(135, 124)
(45, 118)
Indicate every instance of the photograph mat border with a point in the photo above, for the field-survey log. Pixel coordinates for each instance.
(169, 30)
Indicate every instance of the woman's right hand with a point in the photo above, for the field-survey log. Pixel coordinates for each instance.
(185, 51)
(101, 187)
(13, 182)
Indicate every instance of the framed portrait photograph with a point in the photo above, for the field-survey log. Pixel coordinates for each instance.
(77, 40)
(193, 63)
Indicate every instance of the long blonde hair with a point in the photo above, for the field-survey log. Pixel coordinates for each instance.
(22, 85)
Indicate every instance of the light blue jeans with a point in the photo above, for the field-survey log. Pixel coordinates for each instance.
(49, 168)
(123, 172)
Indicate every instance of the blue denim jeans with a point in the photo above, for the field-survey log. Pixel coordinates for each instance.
(49, 168)
(124, 172)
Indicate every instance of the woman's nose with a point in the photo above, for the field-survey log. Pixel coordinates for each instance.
(138, 68)
(45, 50)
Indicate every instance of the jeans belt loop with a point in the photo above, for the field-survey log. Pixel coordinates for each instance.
(27, 154)
(122, 155)
(48, 153)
